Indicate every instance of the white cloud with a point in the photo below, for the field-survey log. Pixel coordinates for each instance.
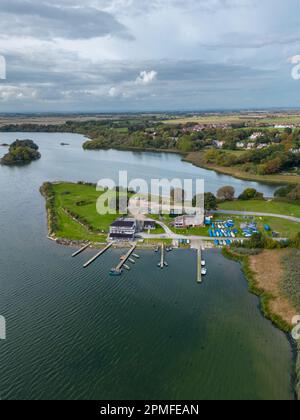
(113, 92)
(145, 78)
(8, 93)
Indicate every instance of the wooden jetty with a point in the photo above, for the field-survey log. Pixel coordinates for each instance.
(118, 269)
(98, 255)
(162, 263)
(199, 265)
(81, 250)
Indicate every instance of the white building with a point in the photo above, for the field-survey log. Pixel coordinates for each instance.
(218, 144)
(184, 222)
(256, 136)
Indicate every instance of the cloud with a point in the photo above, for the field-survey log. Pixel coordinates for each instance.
(74, 55)
(18, 93)
(45, 20)
(145, 78)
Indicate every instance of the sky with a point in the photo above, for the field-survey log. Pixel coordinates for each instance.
(148, 55)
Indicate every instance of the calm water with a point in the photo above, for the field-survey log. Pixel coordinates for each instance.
(152, 334)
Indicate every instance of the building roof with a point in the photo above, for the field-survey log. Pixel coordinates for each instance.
(150, 223)
(123, 223)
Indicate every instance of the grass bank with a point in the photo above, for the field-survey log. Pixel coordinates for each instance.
(264, 206)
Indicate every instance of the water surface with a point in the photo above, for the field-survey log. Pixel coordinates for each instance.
(151, 334)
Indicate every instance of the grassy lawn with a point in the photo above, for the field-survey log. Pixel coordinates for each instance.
(73, 231)
(260, 206)
(81, 200)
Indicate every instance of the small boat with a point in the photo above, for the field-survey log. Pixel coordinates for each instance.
(122, 258)
(131, 260)
(127, 267)
(203, 263)
(203, 271)
(113, 272)
(136, 256)
(166, 264)
(157, 249)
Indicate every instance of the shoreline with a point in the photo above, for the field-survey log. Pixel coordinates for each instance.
(194, 158)
(243, 176)
(265, 300)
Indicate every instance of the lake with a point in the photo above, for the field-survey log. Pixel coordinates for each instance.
(151, 334)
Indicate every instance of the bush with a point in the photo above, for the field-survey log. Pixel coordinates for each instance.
(251, 194)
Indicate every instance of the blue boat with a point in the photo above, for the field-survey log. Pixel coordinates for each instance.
(115, 273)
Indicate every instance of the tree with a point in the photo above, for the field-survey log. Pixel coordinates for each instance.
(210, 202)
(256, 241)
(251, 194)
(185, 144)
(226, 193)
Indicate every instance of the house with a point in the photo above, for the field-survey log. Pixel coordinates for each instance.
(218, 144)
(123, 230)
(149, 225)
(281, 127)
(251, 146)
(241, 145)
(262, 146)
(256, 136)
(187, 221)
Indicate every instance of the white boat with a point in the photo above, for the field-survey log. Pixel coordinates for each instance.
(203, 263)
(203, 271)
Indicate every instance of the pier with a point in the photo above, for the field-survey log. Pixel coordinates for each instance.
(98, 255)
(80, 250)
(199, 265)
(162, 263)
(118, 269)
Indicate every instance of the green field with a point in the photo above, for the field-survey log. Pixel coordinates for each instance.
(77, 217)
(271, 119)
(79, 202)
(261, 206)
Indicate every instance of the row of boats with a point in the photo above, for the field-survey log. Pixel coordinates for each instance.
(223, 233)
(168, 249)
(203, 268)
(223, 242)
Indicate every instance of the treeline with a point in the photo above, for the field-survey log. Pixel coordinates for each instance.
(267, 161)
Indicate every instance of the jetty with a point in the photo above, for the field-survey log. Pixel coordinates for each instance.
(199, 265)
(118, 269)
(98, 255)
(81, 250)
(162, 263)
